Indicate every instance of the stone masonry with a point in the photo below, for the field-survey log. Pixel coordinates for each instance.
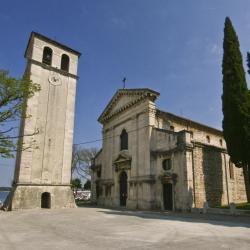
(43, 173)
(169, 162)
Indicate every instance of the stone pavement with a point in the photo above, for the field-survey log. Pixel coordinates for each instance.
(99, 228)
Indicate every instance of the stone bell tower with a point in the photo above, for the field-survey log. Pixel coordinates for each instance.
(43, 167)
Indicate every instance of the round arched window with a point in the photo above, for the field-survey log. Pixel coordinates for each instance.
(65, 63)
(47, 55)
(124, 140)
(166, 164)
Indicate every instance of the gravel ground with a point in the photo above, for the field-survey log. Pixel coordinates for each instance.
(99, 228)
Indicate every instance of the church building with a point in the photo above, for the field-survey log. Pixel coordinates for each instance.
(152, 159)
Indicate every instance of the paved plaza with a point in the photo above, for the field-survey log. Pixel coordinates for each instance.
(99, 228)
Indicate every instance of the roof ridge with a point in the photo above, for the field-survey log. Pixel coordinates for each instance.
(52, 41)
(189, 120)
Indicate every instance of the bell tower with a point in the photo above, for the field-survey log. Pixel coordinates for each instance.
(43, 168)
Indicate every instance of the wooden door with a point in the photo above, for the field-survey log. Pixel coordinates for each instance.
(123, 188)
(168, 196)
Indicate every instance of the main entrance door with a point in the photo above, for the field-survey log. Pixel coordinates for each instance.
(123, 188)
(168, 196)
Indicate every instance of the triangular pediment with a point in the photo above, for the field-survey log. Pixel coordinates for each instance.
(122, 158)
(122, 161)
(124, 99)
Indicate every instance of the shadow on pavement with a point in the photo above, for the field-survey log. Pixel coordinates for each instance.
(223, 220)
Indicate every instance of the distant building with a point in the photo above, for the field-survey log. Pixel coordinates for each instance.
(82, 195)
(43, 172)
(151, 159)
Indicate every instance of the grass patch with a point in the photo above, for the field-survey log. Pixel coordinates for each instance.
(243, 206)
(82, 203)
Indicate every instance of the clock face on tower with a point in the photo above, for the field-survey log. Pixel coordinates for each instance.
(55, 79)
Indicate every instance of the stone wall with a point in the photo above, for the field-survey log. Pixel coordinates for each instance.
(50, 118)
(29, 197)
(199, 132)
(200, 165)
(212, 180)
(137, 124)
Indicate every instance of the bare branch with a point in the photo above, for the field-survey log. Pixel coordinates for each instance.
(8, 130)
(81, 161)
(18, 136)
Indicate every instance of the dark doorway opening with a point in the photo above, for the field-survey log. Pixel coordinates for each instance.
(97, 190)
(168, 196)
(123, 188)
(46, 200)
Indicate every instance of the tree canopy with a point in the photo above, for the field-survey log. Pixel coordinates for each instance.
(87, 185)
(235, 101)
(13, 98)
(248, 62)
(235, 98)
(76, 184)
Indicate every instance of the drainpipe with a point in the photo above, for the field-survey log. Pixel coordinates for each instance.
(225, 164)
(137, 161)
(194, 194)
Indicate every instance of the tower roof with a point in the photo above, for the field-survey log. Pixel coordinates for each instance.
(34, 34)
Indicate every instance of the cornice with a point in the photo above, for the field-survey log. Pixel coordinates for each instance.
(207, 146)
(187, 147)
(51, 41)
(106, 182)
(48, 67)
(187, 122)
(179, 148)
(39, 184)
(141, 179)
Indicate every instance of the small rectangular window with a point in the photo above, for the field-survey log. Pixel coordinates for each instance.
(231, 170)
(191, 134)
(172, 128)
(208, 138)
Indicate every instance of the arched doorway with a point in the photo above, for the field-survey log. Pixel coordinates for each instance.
(168, 196)
(123, 188)
(46, 200)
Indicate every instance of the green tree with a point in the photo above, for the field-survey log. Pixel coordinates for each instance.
(235, 103)
(248, 62)
(13, 98)
(87, 185)
(76, 184)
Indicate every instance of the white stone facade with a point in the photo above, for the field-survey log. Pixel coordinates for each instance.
(196, 161)
(46, 166)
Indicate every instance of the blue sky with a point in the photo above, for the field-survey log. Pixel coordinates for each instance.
(171, 46)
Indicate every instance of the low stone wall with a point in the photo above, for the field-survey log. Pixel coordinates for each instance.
(231, 211)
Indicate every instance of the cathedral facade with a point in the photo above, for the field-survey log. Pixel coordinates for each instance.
(151, 159)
